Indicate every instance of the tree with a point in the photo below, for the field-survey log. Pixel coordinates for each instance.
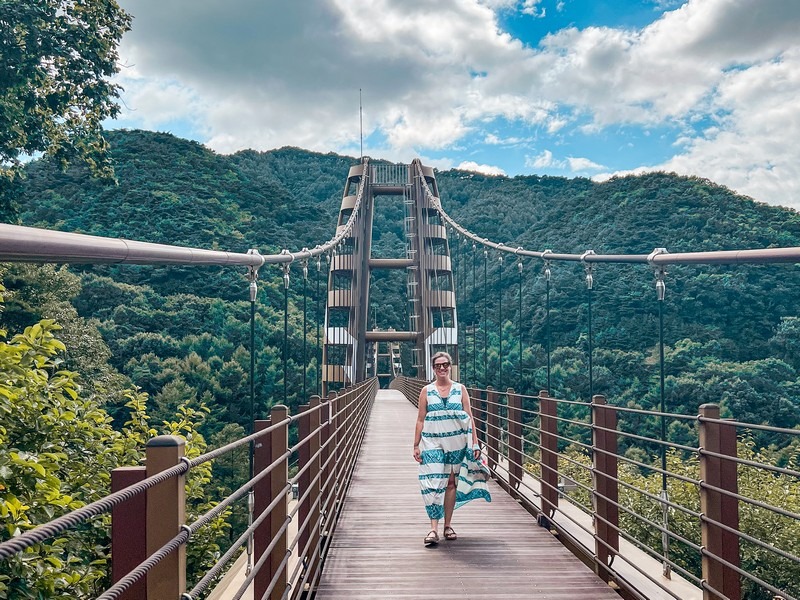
(56, 57)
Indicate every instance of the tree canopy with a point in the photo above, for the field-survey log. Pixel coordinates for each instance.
(56, 60)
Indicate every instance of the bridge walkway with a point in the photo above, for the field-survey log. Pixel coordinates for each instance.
(377, 548)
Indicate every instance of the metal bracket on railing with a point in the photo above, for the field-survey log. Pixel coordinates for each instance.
(589, 268)
(519, 258)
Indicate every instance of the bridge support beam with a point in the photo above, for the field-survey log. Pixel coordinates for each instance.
(718, 508)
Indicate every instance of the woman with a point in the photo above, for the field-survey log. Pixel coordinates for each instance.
(446, 448)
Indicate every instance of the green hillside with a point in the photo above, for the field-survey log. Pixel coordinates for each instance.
(179, 332)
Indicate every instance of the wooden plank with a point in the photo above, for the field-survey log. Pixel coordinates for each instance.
(377, 550)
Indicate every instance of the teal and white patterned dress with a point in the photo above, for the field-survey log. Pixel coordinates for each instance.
(446, 447)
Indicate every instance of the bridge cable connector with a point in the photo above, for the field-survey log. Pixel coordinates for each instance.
(659, 271)
(252, 276)
(285, 267)
(589, 268)
(519, 258)
(547, 273)
(304, 263)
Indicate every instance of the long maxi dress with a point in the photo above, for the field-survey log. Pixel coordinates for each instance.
(446, 447)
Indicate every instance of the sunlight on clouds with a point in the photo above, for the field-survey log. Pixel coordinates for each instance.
(469, 165)
(544, 161)
(577, 164)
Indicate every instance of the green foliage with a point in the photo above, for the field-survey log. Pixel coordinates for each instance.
(57, 451)
(57, 57)
(56, 454)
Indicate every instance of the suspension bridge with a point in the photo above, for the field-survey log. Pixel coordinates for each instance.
(350, 522)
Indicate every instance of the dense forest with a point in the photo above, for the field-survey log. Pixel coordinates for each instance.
(167, 348)
(731, 332)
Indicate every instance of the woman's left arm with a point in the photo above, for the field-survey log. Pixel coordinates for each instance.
(468, 409)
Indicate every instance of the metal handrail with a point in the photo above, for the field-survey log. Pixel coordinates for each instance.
(500, 443)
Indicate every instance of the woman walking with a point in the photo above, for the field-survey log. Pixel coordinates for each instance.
(446, 448)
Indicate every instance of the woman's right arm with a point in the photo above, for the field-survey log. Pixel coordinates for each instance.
(423, 409)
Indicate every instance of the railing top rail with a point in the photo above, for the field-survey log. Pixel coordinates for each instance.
(658, 257)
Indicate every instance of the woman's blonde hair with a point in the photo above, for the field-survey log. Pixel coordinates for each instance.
(440, 355)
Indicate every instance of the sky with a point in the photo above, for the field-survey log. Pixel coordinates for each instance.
(573, 88)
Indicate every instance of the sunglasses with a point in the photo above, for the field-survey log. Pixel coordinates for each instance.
(442, 365)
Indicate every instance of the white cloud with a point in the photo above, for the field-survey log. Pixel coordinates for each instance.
(469, 165)
(531, 7)
(544, 160)
(577, 164)
(265, 73)
(494, 140)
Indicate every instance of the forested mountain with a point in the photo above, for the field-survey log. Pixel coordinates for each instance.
(181, 333)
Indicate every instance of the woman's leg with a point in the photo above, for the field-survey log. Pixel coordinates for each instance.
(449, 499)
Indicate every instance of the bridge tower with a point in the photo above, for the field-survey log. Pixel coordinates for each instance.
(350, 344)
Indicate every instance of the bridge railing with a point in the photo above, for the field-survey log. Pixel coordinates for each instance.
(149, 536)
(602, 504)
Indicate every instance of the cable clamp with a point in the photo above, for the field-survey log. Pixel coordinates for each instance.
(589, 268)
(304, 263)
(660, 272)
(654, 253)
(285, 267)
(547, 272)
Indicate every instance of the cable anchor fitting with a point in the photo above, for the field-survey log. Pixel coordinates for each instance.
(252, 276)
(304, 263)
(589, 268)
(660, 272)
(285, 267)
(547, 272)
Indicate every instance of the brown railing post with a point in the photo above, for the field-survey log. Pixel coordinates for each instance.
(303, 481)
(166, 512)
(478, 412)
(279, 478)
(514, 439)
(314, 498)
(548, 429)
(721, 508)
(128, 531)
(338, 450)
(605, 489)
(492, 427)
(262, 459)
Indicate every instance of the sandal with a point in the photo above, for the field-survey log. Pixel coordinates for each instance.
(432, 538)
(450, 534)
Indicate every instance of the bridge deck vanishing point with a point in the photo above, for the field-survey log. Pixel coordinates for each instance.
(377, 549)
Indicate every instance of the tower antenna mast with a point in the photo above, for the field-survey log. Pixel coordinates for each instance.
(361, 123)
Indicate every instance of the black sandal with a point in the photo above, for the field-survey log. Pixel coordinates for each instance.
(450, 534)
(432, 538)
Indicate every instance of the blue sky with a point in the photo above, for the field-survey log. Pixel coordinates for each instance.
(576, 88)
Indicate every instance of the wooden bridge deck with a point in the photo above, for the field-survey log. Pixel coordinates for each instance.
(377, 549)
